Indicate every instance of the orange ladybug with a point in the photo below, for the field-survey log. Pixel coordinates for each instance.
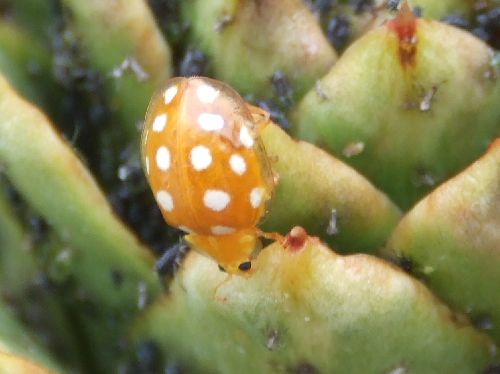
(207, 167)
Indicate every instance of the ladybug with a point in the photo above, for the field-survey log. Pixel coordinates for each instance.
(207, 167)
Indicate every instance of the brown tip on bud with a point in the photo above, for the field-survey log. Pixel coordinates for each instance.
(295, 239)
(405, 26)
(494, 144)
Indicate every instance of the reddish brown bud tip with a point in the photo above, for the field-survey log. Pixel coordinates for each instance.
(494, 144)
(405, 26)
(295, 239)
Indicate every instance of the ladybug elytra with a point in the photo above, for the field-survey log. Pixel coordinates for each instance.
(207, 167)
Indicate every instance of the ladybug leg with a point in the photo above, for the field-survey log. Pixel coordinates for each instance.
(274, 236)
(171, 258)
(222, 299)
(261, 118)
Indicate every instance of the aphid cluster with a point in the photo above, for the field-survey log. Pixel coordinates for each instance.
(207, 167)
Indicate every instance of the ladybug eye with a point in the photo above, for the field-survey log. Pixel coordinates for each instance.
(245, 266)
(207, 167)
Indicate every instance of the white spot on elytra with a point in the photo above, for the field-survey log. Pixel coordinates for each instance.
(256, 196)
(165, 200)
(170, 94)
(216, 200)
(210, 121)
(222, 230)
(207, 94)
(160, 122)
(245, 137)
(238, 164)
(163, 158)
(146, 163)
(201, 158)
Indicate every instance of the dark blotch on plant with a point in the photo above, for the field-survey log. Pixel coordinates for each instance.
(482, 321)
(43, 282)
(4, 7)
(88, 308)
(487, 26)
(406, 264)
(84, 109)
(492, 370)
(322, 5)
(338, 31)
(362, 5)
(277, 114)
(39, 228)
(134, 203)
(282, 89)
(280, 102)
(418, 11)
(117, 277)
(194, 62)
(304, 368)
(167, 14)
(457, 20)
(392, 5)
(148, 357)
(173, 368)
(187, 61)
